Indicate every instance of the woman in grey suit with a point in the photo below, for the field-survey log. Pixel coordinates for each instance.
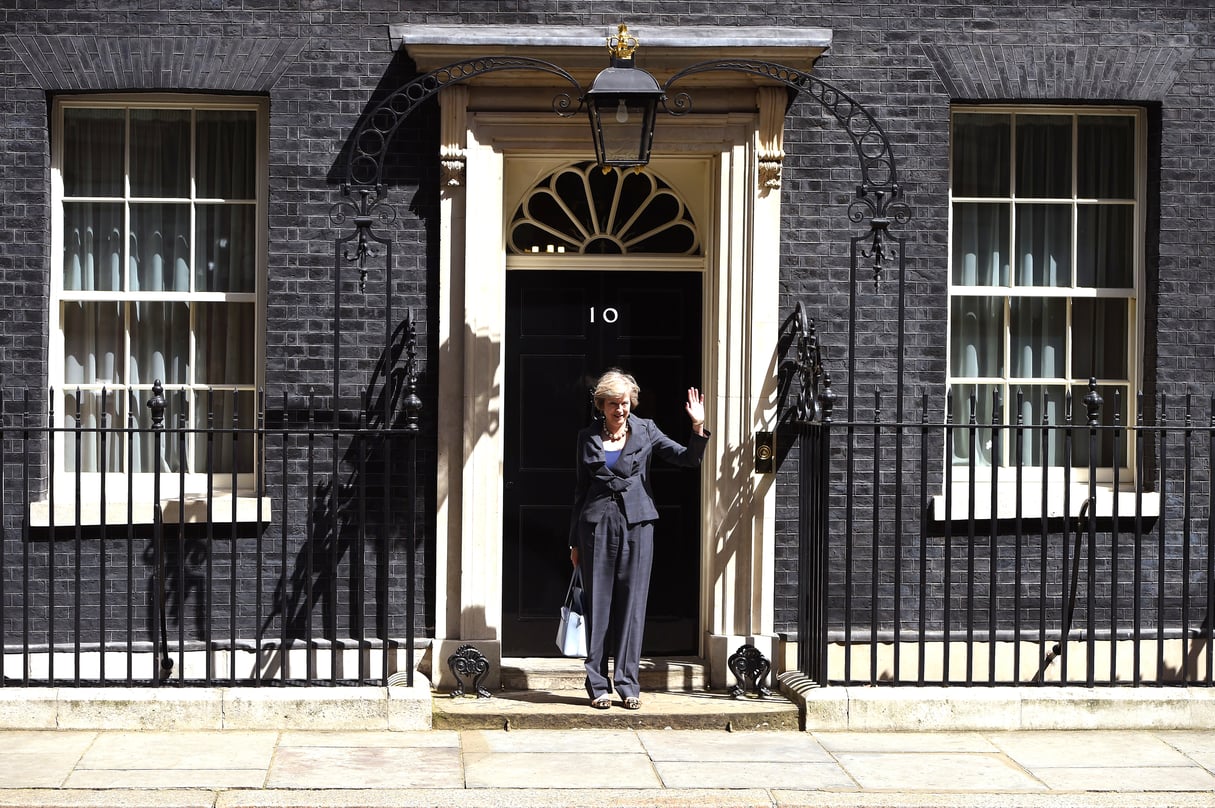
(612, 532)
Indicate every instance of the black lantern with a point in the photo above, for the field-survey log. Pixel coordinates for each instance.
(622, 103)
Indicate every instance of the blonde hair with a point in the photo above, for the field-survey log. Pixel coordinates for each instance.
(615, 383)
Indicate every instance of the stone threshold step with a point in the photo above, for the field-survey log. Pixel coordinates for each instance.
(560, 673)
(568, 709)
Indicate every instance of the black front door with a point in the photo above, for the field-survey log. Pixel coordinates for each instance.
(564, 328)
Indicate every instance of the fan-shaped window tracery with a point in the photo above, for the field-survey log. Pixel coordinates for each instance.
(581, 209)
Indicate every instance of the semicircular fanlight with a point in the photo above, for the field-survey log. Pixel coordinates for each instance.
(581, 209)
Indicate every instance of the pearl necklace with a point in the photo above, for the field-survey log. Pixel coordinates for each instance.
(608, 436)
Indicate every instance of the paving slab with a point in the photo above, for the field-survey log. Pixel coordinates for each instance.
(935, 771)
(703, 746)
(40, 758)
(905, 742)
(180, 751)
(566, 770)
(728, 775)
(551, 742)
(150, 779)
(94, 798)
(1074, 749)
(370, 767)
(341, 738)
(1197, 745)
(1127, 778)
(995, 799)
(496, 798)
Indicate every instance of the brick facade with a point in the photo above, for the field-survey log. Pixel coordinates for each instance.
(322, 68)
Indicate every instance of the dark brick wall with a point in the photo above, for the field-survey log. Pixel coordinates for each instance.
(322, 67)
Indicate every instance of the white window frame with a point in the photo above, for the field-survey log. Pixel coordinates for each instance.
(1032, 477)
(193, 499)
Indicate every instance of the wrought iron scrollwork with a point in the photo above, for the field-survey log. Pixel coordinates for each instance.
(815, 398)
(749, 666)
(878, 195)
(365, 162)
(363, 205)
(469, 662)
(412, 403)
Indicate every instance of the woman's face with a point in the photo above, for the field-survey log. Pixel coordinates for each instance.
(615, 412)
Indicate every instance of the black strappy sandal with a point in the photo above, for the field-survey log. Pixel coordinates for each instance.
(632, 703)
(601, 702)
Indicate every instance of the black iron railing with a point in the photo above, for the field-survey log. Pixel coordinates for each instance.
(950, 549)
(293, 565)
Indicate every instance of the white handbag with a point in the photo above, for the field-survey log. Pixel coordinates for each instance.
(571, 628)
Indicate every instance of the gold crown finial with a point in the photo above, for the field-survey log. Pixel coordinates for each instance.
(622, 45)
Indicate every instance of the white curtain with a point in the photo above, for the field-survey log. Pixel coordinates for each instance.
(1039, 253)
(171, 245)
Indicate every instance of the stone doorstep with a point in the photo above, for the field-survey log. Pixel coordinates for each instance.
(674, 674)
(568, 709)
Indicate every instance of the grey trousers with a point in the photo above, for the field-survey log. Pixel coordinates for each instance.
(615, 560)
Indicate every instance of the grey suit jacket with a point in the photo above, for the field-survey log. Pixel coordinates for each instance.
(628, 481)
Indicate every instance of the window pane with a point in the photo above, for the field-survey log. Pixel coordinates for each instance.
(981, 245)
(1044, 255)
(1037, 331)
(227, 154)
(980, 155)
(977, 402)
(160, 248)
(1100, 334)
(219, 451)
(227, 245)
(977, 334)
(92, 246)
(93, 142)
(1042, 406)
(1106, 155)
(1105, 245)
(92, 343)
(1044, 156)
(160, 343)
(160, 152)
(97, 450)
(226, 336)
(1114, 403)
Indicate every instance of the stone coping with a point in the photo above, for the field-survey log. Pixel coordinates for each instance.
(399, 708)
(1049, 707)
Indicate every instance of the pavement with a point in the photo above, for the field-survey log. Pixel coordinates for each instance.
(605, 767)
(401, 747)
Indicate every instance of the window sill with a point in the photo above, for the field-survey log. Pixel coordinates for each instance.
(1032, 504)
(192, 509)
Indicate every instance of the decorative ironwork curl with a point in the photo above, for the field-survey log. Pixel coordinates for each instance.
(882, 209)
(815, 399)
(678, 104)
(365, 163)
(412, 402)
(468, 661)
(362, 204)
(749, 665)
(879, 193)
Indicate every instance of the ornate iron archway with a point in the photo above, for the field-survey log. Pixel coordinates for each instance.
(879, 197)
(878, 203)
